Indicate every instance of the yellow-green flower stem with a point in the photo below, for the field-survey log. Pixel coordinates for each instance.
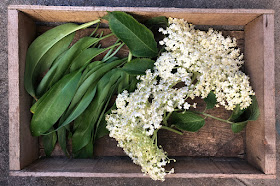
(129, 56)
(216, 118)
(172, 130)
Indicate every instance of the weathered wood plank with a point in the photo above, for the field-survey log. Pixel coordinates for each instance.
(122, 167)
(23, 147)
(195, 16)
(259, 50)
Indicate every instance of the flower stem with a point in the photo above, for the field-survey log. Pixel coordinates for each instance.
(154, 138)
(172, 130)
(129, 56)
(216, 118)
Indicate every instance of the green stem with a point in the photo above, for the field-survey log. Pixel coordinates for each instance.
(155, 135)
(165, 119)
(172, 130)
(129, 56)
(216, 118)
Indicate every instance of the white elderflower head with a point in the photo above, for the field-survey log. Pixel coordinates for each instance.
(140, 113)
(215, 59)
(202, 62)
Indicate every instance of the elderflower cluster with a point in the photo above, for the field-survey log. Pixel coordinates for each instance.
(203, 62)
(213, 58)
(139, 114)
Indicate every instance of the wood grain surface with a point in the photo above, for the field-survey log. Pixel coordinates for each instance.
(23, 148)
(185, 167)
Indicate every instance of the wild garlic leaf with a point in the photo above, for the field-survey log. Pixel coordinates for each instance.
(40, 47)
(49, 142)
(84, 124)
(54, 104)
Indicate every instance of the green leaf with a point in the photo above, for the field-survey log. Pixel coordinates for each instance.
(41, 46)
(86, 56)
(85, 152)
(93, 76)
(187, 121)
(54, 104)
(210, 100)
(241, 118)
(73, 112)
(49, 58)
(236, 113)
(62, 140)
(49, 142)
(92, 67)
(238, 127)
(102, 130)
(139, 39)
(138, 66)
(160, 21)
(59, 69)
(85, 123)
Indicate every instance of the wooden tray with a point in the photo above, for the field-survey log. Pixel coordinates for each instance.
(213, 152)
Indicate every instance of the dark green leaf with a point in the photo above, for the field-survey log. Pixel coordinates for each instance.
(59, 69)
(86, 56)
(49, 142)
(52, 54)
(92, 67)
(114, 58)
(139, 39)
(187, 121)
(84, 124)
(41, 46)
(62, 140)
(138, 66)
(210, 100)
(93, 76)
(54, 104)
(73, 112)
(236, 113)
(251, 113)
(85, 152)
(241, 118)
(238, 127)
(160, 21)
(102, 130)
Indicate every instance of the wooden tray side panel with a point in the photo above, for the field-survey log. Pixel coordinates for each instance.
(123, 167)
(269, 96)
(14, 149)
(195, 16)
(23, 147)
(259, 54)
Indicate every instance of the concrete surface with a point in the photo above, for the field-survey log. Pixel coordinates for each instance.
(4, 177)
